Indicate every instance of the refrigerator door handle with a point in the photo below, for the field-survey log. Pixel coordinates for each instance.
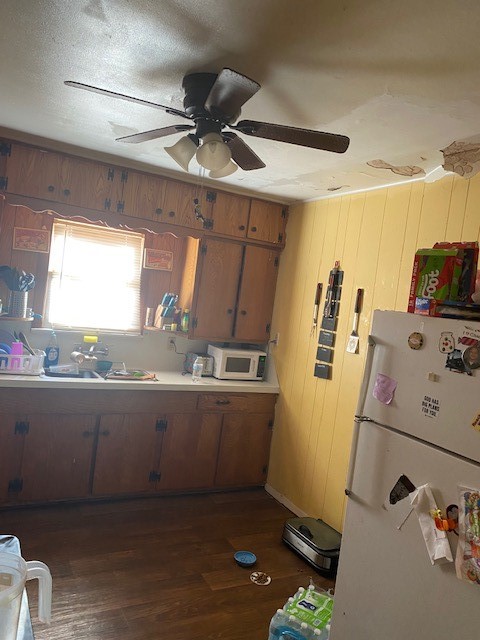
(359, 418)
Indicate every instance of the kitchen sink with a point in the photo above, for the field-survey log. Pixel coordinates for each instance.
(85, 375)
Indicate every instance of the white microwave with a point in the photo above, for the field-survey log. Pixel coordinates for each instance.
(237, 364)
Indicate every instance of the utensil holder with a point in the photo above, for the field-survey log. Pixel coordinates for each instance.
(17, 304)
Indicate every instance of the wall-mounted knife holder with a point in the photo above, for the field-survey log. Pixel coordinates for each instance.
(326, 339)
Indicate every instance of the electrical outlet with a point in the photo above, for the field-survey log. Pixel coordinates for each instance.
(172, 345)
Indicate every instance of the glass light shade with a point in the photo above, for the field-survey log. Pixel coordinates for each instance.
(182, 151)
(230, 168)
(214, 153)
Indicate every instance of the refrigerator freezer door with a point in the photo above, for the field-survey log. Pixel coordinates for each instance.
(386, 585)
(430, 401)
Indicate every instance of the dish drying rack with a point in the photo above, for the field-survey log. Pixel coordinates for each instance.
(29, 365)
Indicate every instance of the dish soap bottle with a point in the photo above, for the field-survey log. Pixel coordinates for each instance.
(52, 352)
(197, 370)
(185, 321)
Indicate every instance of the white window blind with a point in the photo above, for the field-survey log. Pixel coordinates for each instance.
(94, 278)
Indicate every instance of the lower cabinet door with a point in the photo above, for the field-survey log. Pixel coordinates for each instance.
(127, 454)
(244, 450)
(11, 447)
(189, 451)
(57, 457)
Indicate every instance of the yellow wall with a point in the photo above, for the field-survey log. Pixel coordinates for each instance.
(375, 236)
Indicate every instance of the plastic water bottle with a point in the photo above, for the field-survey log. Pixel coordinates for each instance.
(52, 352)
(197, 370)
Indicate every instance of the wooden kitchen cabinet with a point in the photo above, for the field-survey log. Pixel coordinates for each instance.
(127, 454)
(245, 436)
(53, 448)
(56, 456)
(235, 292)
(229, 213)
(189, 451)
(57, 177)
(257, 293)
(215, 298)
(267, 221)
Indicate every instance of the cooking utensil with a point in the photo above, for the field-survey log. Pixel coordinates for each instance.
(26, 344)
(316, 306)
(352, 344)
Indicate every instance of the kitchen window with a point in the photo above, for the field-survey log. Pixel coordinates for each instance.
(94, 277)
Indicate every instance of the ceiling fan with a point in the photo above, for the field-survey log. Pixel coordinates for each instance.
(213, 102)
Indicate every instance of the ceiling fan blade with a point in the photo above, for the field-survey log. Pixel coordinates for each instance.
(229, 93)
(155, 133)
(242, 154)
(112, 94)
(303, 137)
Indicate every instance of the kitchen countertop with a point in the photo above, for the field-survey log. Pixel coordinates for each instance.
(166, 381)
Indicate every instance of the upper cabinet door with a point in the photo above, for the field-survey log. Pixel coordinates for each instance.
(216, 293)
(144, 196)
(267, 221)
(59, 178)
(257, 292)
(180, 206)
(229, 213)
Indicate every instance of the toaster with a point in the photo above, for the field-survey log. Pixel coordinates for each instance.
(207, 360)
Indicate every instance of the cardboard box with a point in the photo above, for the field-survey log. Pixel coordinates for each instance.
(468, 274)
(435, 275)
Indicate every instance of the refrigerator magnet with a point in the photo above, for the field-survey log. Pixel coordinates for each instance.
(415, 340)
(384, 388)
(446, 344)
(471, 357)
(476, 422)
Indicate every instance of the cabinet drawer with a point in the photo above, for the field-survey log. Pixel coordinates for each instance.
(250, 402)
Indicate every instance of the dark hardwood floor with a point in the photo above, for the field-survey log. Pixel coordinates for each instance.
(161, 567)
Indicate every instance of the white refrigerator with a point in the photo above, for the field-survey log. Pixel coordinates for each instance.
(418, 417)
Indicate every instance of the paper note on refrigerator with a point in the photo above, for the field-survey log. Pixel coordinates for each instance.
(384, 388)
(438, 545)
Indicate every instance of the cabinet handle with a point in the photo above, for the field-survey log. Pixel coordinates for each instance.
(229, 311)
(242, 227)
(50, 188)
(171, 214)
(66, 192)
(222, 402)
(254, 229)
(159, 211)
(243, 312)
(87, 434)
(105, 432)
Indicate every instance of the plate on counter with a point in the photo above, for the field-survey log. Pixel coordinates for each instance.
(130, 374)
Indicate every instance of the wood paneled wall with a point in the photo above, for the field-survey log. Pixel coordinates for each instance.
(374, 235)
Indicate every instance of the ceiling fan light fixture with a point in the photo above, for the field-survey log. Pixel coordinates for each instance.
(214, 154)
(182, 151)
(230, 168)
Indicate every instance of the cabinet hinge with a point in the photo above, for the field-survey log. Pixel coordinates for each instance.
(154, 476)
(3, 183)
(207, 224)
(264, 470)
(22, 427)
(203, 249)
(267, 328)
(194, 323)
(270, 424)
(275, 262)
(111, 174)
(5, 149)
(161, 424)
(284, 212)
(280, 237)
(120, 207)
(124, 176)
(211, 196)
(15, 485)
(107, 204)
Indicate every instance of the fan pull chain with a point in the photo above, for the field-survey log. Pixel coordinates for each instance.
(198, 195)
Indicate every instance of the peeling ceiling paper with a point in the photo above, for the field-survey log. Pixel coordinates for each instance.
(463, 158)
(409, 170)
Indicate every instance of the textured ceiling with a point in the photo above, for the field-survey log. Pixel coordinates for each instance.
(401, 79)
